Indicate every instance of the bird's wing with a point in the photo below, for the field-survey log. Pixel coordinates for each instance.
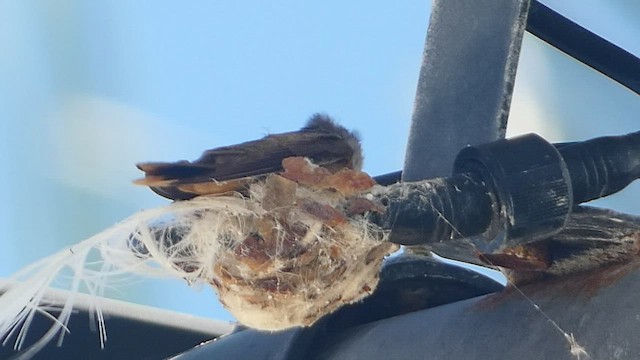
(233, 168)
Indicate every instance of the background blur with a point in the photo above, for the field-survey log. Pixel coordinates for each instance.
(89, 88)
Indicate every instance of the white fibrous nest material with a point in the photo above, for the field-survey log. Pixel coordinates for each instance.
(295, 247)
(287, 254)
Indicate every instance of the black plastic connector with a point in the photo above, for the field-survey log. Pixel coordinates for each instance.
(530, 182)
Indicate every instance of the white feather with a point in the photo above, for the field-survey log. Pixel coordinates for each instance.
(115, 261)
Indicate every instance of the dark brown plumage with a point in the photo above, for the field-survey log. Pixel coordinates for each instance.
(233, 168)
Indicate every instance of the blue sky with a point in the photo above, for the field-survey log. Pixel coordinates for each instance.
(87, 89)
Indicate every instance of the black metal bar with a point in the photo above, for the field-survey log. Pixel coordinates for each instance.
(134, 331)
(584, 46)
(389, 178)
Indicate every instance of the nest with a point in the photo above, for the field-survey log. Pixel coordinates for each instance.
(294, 248)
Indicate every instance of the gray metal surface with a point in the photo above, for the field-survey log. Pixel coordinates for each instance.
(596, 308)
(255, 345)
(466, 81)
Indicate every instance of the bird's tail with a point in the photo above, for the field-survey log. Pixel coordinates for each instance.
(166, 174)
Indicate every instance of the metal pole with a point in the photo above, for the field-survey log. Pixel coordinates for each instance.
(466, 80)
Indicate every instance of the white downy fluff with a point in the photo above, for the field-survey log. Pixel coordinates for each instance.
(205, 240)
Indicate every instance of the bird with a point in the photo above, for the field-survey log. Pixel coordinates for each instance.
(233, 168)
